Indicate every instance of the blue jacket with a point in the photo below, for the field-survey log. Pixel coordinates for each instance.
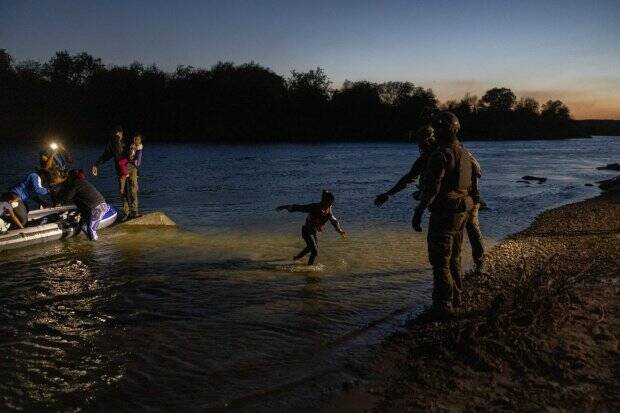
(31, 186)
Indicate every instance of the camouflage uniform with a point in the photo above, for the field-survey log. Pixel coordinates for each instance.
(473, 224)
(447, 186)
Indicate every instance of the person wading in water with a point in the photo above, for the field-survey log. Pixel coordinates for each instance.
(318, 215)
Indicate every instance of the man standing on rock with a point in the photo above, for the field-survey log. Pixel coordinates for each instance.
(449, 179)
(116, 150)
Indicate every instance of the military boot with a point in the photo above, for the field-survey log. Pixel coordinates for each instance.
(442, 311)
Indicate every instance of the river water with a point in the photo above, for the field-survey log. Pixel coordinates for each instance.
(213, 313)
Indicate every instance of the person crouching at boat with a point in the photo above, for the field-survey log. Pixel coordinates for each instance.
(318, 215)
(89, 201)
(8, 203)
(32, 192)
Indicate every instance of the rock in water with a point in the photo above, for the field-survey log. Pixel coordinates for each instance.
(610, 185)
(610, 167)
(152, 219)
(534, 178)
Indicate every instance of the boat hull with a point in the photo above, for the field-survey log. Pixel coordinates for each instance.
(42, 233)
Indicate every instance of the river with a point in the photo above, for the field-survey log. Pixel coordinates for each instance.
(213, 313)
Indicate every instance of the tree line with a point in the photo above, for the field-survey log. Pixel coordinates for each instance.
(79, 97)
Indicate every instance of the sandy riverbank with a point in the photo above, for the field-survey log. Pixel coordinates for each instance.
(539, 330)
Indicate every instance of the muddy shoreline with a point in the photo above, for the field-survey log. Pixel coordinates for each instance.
(539, 329)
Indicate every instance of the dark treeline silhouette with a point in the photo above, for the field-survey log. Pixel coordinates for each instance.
(78, 97)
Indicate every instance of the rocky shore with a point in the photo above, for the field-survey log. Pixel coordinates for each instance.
(539, 329)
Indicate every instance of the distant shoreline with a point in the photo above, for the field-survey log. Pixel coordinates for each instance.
(102, 141)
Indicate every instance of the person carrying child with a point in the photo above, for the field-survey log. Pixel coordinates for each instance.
(128, 167)
(318, 215)
(8, 202)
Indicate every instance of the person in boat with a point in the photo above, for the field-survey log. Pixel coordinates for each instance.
(318, 215)
(33, 193)
(88, 200)
(8, 203)
(55, 158)
(425, 139)
(115, 149)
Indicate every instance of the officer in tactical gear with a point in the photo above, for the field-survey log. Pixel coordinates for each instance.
(448, 184)
(472, 227)
(424, 138)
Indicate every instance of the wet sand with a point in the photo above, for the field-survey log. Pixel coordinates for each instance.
(539, 329)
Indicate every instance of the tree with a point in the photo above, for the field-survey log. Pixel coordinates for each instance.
(555, 109)
(313, 84)
(77, 96)
(391, 93)
(308, 97)
(64, 69)
(498, 100)
(357, 110)
(6, 63)
(527, 106)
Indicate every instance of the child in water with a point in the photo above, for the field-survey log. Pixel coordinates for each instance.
(318, 215)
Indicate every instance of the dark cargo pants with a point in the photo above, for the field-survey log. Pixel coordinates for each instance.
(128, 188)
(475, 235)
(445, 237)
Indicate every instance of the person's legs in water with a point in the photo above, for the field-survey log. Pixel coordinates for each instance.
(314, 249)
(311, 245)
(90, 223)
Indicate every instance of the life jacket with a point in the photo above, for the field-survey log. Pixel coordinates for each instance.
(457, 182)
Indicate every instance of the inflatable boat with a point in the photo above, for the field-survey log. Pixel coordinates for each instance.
(49, 224)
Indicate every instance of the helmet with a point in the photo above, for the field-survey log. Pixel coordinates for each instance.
(446, 122)
(423, 134)
(424, 138)
(327, 196)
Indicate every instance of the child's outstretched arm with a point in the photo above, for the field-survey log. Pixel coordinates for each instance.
(336, 225)
(295, 208)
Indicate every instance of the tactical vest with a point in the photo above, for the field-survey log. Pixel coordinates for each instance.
(456, 184)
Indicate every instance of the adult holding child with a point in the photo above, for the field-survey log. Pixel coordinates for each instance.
(126, 167)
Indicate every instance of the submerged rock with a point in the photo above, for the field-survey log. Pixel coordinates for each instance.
(610, 185)
(610, 167)
(152, 219)
(534, 178)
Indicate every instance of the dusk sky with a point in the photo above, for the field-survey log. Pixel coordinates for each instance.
(546, 49)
